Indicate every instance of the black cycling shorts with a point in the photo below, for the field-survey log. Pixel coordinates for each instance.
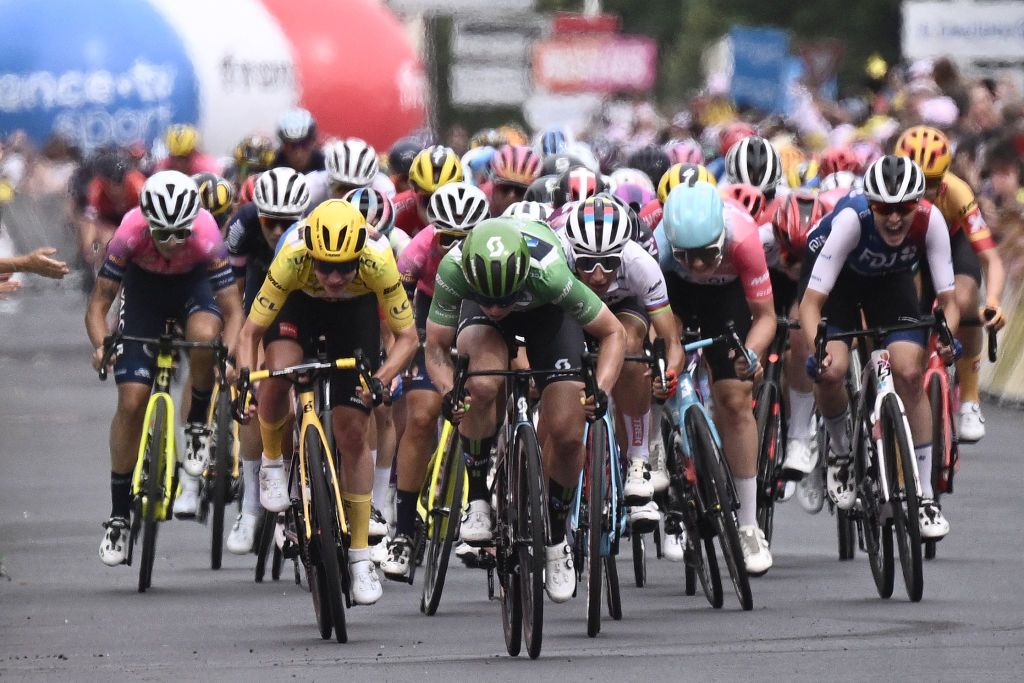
(632, 307)
(784, 289)
(346, 325)
(553, 340)
(417, 379)
(965, 262)
(711, 307)
(147, 301)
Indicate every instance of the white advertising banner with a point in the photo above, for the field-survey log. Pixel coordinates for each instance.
(964, 30)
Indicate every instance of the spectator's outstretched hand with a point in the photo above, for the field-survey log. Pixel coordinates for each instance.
(6, 286)
(40, 263)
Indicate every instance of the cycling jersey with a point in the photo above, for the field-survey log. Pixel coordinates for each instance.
(316, 162)
(407, 215)
(960, 209)
(197, 163)
(204, 248)
(292, 270)
(250, 254)
(419, 260)
(319, 183)
(549, 282)
(639, 276)
(848, 238)
(744, 257)
(100, 202)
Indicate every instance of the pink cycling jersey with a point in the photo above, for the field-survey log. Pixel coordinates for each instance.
(132, 243)
(419, 260)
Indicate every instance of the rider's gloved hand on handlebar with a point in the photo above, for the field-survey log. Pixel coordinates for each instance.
(745, 369)
(669, 389)
(452, 409)
(594, 407)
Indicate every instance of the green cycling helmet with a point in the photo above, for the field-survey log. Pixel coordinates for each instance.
(495, 258)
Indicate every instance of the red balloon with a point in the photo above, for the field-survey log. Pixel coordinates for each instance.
(357, 70)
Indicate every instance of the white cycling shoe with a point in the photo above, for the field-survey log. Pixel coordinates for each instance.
(659, 471)
(197, 448)
(673, 546)
(187, 501)
(644, 519)
(972, 422)
(114, 546)
(274, 489)
(932, 522)
(559, 574)
(840, 485)
(756, 554)
(243, 534)
(476, 524)
(638, 489)
(810, 492)
(799, 458)
(366, 588)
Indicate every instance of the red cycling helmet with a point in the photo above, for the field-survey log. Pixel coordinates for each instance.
(576, 184)
(732, 134)
(798, 212)
(837, 159)
(749, 197)
(515, 165)
(246, 192)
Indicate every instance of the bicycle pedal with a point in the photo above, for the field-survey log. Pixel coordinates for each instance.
(289, 550)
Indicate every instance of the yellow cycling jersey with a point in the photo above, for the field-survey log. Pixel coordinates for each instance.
(292, 270)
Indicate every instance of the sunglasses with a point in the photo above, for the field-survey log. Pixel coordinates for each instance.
(328, 267)
(705, 255)
(588, 264)
(271, 222)
(504, 302)
(447, 240)
(176, 235)
(296, 144)
(903, 208)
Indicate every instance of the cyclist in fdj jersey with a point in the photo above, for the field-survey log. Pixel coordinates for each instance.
(861, 257)
(715, 269)
(974, 254)
(510, 278)
(171, 261)
(329, 279)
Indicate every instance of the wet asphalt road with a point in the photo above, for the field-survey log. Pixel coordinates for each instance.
(64, 615)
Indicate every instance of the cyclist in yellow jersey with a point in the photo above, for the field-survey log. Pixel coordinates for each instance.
(329, 278)
(974, 253)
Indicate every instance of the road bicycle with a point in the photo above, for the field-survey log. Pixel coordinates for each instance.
(701, 496)
(316, 527)
(884, 464)
(155, 478)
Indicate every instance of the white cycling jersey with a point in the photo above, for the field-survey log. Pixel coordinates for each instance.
(639, 276)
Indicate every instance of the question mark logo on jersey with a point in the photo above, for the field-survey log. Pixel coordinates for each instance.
(495, 247)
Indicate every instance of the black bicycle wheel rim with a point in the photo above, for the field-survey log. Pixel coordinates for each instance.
(597, 454)
(766, 418)
(905, 500)
(611, 583)
(153, 493)
(508, 578)
(326, 534)
(221, 473)
(639, 559)
(876, 531)
(711, 468)
(443, 531)
(263, 542)
(531, 531)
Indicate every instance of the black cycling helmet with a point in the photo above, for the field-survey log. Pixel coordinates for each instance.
(402, 153)
(542, 189)
(112, 164)
(554, 164)
(650, 159)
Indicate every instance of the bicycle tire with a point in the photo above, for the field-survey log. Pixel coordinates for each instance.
(153, 493)
(768, 417)
(264, 540)
(222, 475)
(326, 536)
(639, 559)
(597, 455)
(713, 477)
(876, 532)
(940, 456)
(846, 525)
(612, 590)
(531, 531)
(905, 500)
(444, 526)
(508, 577)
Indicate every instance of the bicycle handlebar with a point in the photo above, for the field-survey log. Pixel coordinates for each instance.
(822, 337)
(111, 342)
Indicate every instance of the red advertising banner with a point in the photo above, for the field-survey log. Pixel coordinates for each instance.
(595, 63)
(569, 22)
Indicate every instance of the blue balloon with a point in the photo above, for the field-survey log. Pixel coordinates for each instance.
(113, 71)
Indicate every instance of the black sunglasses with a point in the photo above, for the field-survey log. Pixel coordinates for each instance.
(171, 234)
(705, 255)
(608, 263)
(447, 240)
(328, 267)
(503, 302)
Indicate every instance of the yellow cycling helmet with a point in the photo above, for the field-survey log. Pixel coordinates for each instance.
(791, 156)
(216, 194)
(433, 167)
(802, 173)
(927, 146)
(335, 232)
(683, 174)
(181, 140)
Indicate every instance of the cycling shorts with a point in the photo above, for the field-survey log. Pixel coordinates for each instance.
(147, 301)
(632, 307)
(417, 378)
(784, 289)
(347, 325)
(965, 262)
(553, 339)
(712, 307)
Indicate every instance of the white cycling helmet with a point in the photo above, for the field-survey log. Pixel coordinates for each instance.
(754, 161)
(351, 161)
(891, 179)
(169, 200)
(531, 211)
(630, 176)
(296, 125)
(598, 226)
(457, 207)
(844, 179)
(281, 192)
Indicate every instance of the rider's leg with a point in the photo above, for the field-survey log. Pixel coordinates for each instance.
(560, 431)
(422, 408)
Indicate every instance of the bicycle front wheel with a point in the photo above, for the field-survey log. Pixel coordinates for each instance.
(505, 551)
(221, 474)
(767, 414)
(713, 477)
(325, 544)
(942, 454)
(596, 457)
(443, 526)
(903, 495)
(531, 523)
(152, 492)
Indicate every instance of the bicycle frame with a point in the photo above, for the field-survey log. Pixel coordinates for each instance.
(609, 543)
(424, 504)
(687, 395)
(166, 450)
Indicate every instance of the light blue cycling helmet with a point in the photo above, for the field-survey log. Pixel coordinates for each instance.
(694, 216)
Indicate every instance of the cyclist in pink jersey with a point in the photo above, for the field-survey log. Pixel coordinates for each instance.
(171, 262)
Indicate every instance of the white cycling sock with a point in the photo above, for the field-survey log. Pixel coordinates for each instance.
(924, 469)
(381, 484)
(358, 555)
(746, 491)
(267, 462)
(251, 487)
(837, 432)
(801, 407)
(639, 436)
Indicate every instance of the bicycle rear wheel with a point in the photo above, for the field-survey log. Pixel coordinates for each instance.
(596, 457)
(443, 526)
(530, 535)
(903, 495)
(326, 537)
(221, 474)
(505, 551)
(876, 532)
(712, 476)
(264, 540)
(152, 493)
(611, 584)
(942, 470)
(768, 415)
(639, 558)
